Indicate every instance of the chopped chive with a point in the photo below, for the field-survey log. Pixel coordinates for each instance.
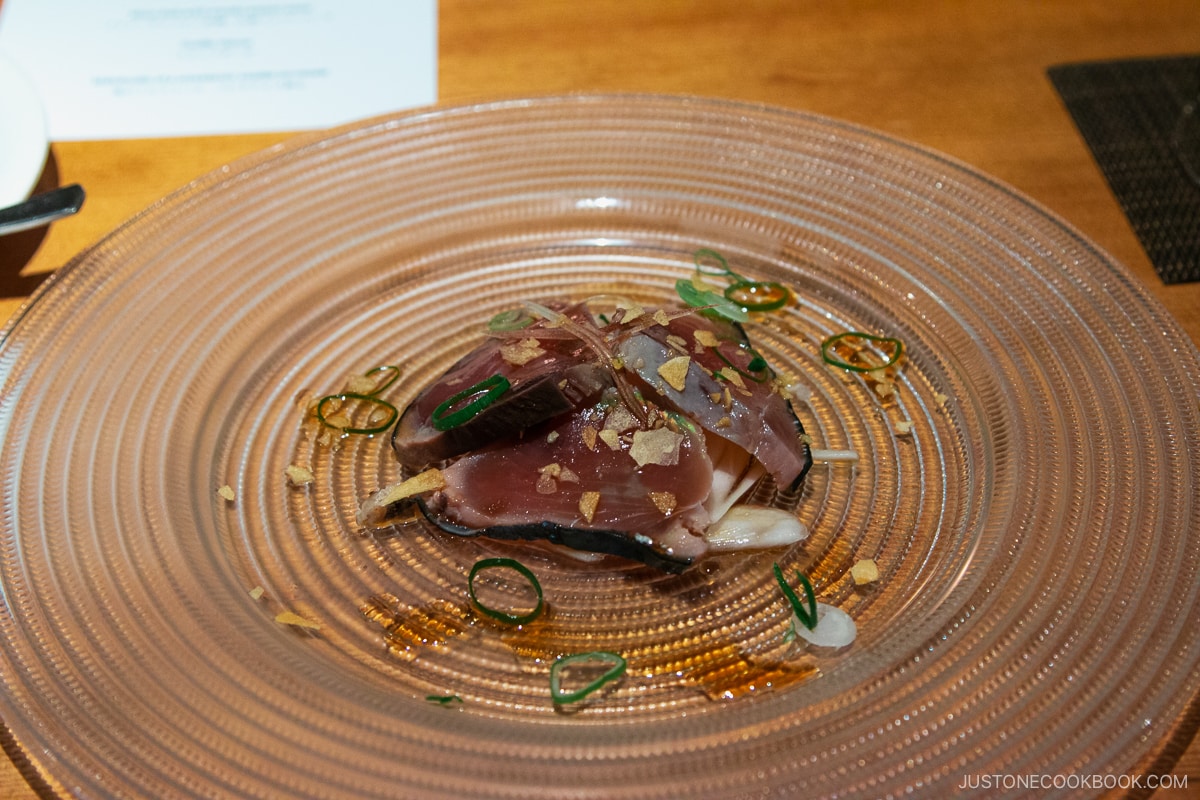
(758, 295)
(516, 566)
(369, 399)
(510, 320)
(615, 670)
(830, 358)
(487, 390)
(443, 699)
(806, 615)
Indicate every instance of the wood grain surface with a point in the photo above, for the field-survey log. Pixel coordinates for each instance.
(968, 79)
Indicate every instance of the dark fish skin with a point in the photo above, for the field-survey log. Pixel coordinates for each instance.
(589, 540)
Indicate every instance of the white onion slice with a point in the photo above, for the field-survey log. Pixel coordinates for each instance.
(800, 391)
(734, 473)
(834, 456)
(754, 527)
(835, 628)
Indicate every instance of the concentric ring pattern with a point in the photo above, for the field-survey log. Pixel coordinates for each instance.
(1027, 489)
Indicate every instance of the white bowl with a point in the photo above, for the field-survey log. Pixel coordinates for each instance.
(23, 140)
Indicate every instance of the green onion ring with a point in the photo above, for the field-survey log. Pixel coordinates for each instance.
(776, 293)
(807, 616)
(488, 390)
(615, 671)
(443, 699)
(516, 566)
(704, 252)
(897, 345)
(762, 374)
(395, 374)
(366, 398)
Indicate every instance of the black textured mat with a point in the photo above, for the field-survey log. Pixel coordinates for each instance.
(1141, 120)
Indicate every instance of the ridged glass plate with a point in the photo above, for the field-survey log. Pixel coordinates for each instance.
(1028, 490)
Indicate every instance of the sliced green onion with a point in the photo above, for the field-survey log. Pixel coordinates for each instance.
(395, 373)
(523, 571)
(757, 368)
(757, 295)
(615, 670)
(511, 320)
(704, 269)
(710, 301)
(806, 615)
(682, 422)
(369, 399)
(827, 346)
(443, 699)
(745, 294)
(488, 390)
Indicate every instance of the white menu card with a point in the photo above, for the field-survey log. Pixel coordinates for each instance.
(120, 69)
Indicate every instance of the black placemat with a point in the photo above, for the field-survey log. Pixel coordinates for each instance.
(1136, 117)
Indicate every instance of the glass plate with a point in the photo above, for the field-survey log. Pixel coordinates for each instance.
(1035, 528)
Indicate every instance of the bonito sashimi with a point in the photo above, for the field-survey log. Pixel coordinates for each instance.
(631, 433)
(728, 389)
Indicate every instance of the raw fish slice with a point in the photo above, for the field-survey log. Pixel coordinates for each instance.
(724, 390)
(558, 380)
(580, 474)
(601, 441)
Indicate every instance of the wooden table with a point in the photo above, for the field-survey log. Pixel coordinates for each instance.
(968, 79)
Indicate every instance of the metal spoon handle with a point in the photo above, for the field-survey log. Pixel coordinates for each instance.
(42, 209)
